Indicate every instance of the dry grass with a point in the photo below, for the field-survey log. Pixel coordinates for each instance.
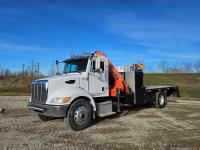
(16, 86)
(188, 83)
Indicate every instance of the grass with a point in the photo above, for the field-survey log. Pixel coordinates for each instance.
(15, 91)
(16, 86)
(188, 83)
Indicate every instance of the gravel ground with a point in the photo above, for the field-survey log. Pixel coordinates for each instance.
(177, 126)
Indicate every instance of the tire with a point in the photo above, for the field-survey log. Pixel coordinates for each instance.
(44, 118)
(161, 100)
(79, 115)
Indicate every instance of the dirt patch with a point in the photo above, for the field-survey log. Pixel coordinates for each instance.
(176, 126)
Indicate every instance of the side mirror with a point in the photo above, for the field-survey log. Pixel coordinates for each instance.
(57, 67)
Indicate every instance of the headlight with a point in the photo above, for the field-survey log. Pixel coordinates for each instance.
(60, 100)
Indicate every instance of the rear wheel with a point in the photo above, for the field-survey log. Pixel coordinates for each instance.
(161, 99)
(79, 115)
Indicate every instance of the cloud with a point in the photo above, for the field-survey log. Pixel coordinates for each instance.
(166, 25)
(145, 30)
(22, 48)
(116, 52)
(174, 55)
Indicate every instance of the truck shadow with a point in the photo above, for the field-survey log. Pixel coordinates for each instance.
(125, 111)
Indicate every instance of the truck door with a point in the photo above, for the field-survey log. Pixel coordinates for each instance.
(98, 77)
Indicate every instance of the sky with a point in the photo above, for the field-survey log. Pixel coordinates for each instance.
(128, 31)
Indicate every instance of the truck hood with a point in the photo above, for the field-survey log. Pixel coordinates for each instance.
(57, 83)
(61, 77)
(57, 86)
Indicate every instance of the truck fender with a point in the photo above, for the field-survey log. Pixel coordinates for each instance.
(85, 94)
(74, 93)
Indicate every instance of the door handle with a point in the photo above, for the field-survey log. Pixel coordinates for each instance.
(103, 88)
(70, 81)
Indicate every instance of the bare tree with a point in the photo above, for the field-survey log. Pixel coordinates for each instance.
(38, 69)
(23, 69)
(7, 72)
(32, 68)
(2, 72)
(52, 70)
(188, 67)
(174, 68)
(197, 65)
(150, 68)
(163, 66)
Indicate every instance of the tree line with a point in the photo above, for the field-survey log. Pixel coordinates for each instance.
(165, 67)
(33, 69)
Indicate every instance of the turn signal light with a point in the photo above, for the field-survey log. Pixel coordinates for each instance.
(66, 99)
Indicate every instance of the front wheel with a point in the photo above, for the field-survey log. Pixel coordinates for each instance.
(79, 115)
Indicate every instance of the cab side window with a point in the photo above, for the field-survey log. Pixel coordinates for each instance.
(92, 66)
(102, 65)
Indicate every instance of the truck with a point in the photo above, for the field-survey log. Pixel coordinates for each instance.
(90, 87)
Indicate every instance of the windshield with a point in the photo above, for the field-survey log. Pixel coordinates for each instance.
(77, 65)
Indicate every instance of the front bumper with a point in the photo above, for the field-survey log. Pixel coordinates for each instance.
(49, 110)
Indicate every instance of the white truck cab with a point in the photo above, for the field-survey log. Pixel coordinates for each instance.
(84, 78)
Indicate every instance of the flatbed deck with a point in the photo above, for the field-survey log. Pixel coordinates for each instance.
(170, 90)
(158, 87)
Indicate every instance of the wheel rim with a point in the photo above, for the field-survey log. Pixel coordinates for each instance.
(80, 115)
(162, 100)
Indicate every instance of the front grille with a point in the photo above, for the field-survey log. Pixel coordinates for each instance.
(39, 91)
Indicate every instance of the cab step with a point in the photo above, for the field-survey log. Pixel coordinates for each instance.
(107, 114)
(104, 109)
